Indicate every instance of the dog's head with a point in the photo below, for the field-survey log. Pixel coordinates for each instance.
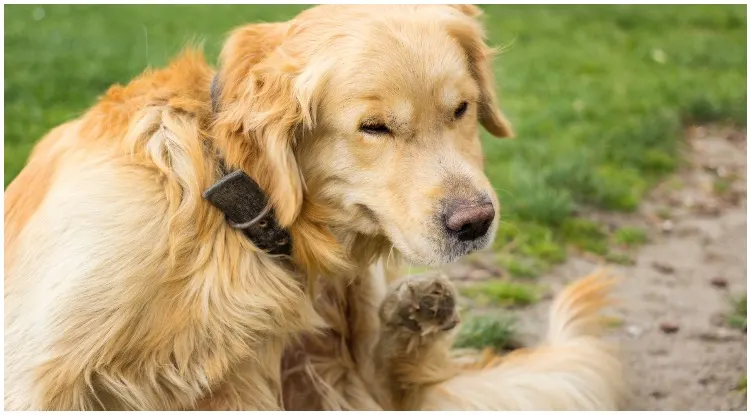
(375, 110)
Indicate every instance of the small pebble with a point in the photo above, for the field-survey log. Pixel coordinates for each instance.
(718, 320)
(722, 171)
(667, 226)
(720, 335)
(689, 202)
(719, 282)
(658, 352)
(663, 267)
(707, 380)
(686, 230)
(737, 136)
(708, 208)
(658, 394)
(634, 331)
(711, 255)
(736, 196)
(669, 327)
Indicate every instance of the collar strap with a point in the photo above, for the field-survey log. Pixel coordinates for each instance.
(245, 205)
(246, 208)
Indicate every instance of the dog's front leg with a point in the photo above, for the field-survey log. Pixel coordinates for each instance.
(417, 316)
(252, 385)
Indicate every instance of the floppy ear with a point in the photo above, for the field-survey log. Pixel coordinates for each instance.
(258, 114)
(470, 35)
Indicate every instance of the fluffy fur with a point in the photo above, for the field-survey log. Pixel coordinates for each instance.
(124, 289)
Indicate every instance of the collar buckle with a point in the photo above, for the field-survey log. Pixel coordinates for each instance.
(247, 209)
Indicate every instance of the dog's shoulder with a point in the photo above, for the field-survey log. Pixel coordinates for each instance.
(156, 124)
(179, 90)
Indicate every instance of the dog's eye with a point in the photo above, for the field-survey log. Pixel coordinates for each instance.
(375, 129)
(460, 110)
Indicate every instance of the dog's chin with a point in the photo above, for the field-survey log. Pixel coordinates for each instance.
(443, 252)
(459, 249)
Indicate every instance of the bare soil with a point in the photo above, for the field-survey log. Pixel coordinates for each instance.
(671, 322)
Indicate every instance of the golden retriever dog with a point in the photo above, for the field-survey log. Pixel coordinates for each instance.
(125, 288)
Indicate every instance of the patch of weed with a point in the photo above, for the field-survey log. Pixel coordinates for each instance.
(664, 212)
(480, 332)
(613, 322)
(706, 109)
(721, 186)
(621, 258)
(585, 234)
(617, 188)
(502, 293)
(630, 236)
(546, 250)
(737, 317)
(520, 266)
(741, 385)
(527, 248)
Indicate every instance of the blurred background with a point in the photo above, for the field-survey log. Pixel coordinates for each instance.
(630, 126)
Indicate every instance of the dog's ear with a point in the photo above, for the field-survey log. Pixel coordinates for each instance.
(258, 113)
(469, 32)
(469, 9)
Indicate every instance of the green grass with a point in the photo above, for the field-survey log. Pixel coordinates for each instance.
(621, 258)
(630, 237)
(586, 235)
(741, 385)
(482, 331)
(721, 186)
(502, 293)
(598, 95)
(737, 317)
(613, 322)
(520, 267)
(663, 212)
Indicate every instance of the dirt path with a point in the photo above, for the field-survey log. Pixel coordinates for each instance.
(673, 332)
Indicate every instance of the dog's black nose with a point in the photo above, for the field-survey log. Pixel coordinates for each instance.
(469, 222)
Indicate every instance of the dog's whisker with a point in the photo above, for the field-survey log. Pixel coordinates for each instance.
(388, 258)
(498, 189)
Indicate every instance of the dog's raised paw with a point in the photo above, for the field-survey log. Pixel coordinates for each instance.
(422, 304)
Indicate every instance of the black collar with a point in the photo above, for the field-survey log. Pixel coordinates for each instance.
(246, 206)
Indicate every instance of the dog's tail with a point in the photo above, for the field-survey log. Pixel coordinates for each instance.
(574, 369)
(576, 310)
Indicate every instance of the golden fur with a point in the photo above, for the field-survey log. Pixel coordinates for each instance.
(124, 289)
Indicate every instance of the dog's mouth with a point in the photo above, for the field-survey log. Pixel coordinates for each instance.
(439, 247)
